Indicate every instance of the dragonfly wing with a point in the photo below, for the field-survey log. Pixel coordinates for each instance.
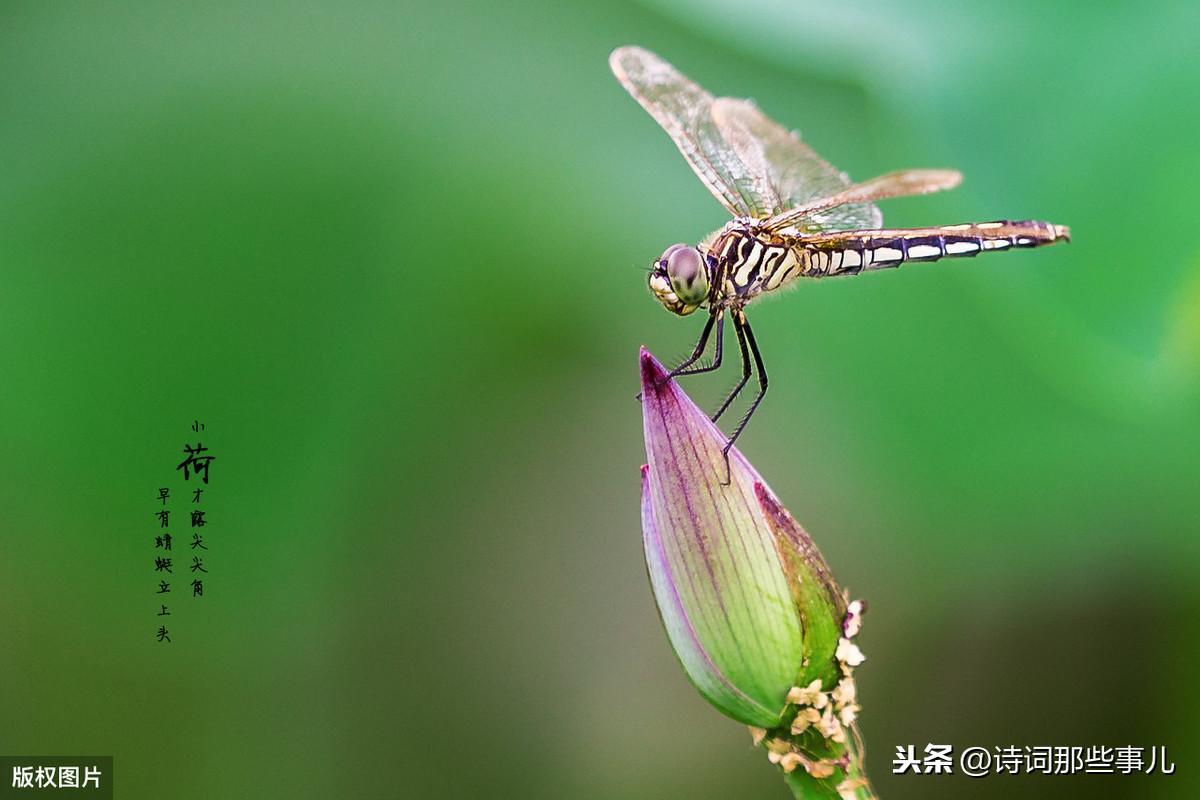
(796, 173)
(684, 110)
(894, 184)
(742, 142)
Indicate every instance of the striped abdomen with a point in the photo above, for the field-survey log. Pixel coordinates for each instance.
(851, 252)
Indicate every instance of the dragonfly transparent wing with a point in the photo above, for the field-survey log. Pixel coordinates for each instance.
(684, 110)
(894, 184)
(795, 172)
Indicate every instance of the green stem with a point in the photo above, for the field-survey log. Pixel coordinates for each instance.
(806, 787)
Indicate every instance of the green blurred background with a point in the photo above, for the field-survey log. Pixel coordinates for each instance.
(392, 256)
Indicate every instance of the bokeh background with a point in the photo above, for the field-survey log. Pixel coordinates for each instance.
(392, 256)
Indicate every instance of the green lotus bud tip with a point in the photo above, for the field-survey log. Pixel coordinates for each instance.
(750, 606)
(748, 602)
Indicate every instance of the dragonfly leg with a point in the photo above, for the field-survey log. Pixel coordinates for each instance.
(741, 337)
(743, 327)
(718, 317)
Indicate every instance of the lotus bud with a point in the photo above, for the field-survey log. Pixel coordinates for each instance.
(749, 605)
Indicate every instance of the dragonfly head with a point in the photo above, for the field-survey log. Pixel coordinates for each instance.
(679, 279)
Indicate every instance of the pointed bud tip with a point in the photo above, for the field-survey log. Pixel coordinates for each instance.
(653, 373)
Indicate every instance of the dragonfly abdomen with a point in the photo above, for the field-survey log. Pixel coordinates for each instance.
(850, 253)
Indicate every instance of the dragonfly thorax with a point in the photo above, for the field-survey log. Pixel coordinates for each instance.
(681, 279)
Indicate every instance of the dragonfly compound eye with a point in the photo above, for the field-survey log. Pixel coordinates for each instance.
(689, 278)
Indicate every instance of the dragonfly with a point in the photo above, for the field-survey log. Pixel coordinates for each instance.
(795, 216)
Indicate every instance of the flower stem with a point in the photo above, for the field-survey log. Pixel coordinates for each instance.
(848, 784)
